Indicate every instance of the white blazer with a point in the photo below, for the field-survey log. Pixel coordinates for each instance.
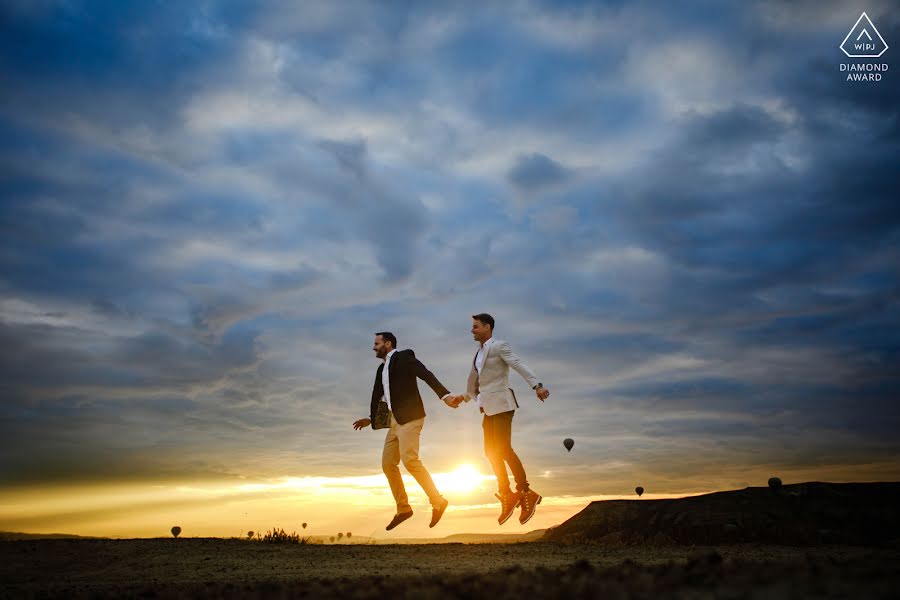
(493, 383)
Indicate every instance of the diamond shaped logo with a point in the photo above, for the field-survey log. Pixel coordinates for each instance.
(864, 41)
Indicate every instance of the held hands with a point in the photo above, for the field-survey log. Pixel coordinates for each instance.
(454, 401)
(361, 424)
(542, 393)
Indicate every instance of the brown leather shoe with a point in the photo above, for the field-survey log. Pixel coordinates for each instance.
(399, 518)
(508, 503)
(529, 503)
(438, 512)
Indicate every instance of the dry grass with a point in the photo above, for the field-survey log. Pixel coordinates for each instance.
(213, 568)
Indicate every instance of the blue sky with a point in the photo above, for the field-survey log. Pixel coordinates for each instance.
(683, 219)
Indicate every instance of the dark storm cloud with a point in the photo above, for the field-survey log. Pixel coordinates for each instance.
(171, 359)
(61, 205)
(122, 62)
(393, 223)
(48, 364)
(132, 411)
(295, 278)
(349, 155)
(536, 171)
(769, 224)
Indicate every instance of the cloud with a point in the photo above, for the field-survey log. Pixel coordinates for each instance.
(536, 171)
(207, 210)
(392, 223)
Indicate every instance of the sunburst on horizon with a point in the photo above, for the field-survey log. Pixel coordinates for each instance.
(463, 479)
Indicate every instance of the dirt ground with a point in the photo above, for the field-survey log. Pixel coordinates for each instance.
(214, 568)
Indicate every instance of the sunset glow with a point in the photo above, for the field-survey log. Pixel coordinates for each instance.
(463, 479)
(362, 504)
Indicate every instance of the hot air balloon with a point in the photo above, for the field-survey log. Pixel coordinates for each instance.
(175, 531)
(349, 535)
(304, 526)
(340, 535)
(639, 490)
(775, 483)
(568, 443)
(332, 539)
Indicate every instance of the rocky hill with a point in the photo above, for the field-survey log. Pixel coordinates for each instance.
(798, 514)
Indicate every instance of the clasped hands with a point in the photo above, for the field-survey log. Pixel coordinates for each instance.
(454, 401)
(542, 394)
(451, 401)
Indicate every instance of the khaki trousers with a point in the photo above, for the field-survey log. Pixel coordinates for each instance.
(402, 444)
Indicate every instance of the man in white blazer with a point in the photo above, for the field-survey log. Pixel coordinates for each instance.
(489, 385)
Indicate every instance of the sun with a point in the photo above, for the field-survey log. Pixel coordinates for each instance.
(465, 478)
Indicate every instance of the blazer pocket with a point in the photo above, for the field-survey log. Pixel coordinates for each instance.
(501, 398)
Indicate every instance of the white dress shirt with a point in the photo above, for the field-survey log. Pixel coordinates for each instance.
(479, 363)
(386, 379)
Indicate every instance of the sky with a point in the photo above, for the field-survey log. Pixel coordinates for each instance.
(684, 220)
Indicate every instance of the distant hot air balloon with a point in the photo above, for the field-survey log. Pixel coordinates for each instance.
(332, 539)
(304, 526)
(340, 535)
(775, 483)
(349, 535)
(568, 443)
(639, 490)
(175, 531)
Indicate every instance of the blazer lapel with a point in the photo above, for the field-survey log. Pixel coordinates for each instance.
(391, 364)
(487, 352)
(377, 383)
(391, 369)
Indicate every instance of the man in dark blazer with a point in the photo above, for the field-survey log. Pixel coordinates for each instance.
(397, 386)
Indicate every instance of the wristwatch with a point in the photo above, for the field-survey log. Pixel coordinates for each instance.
(537, 386)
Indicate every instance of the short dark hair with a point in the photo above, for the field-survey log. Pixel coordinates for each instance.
(485, 318)
(388, 337)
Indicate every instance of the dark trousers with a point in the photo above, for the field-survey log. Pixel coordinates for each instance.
(498, 448)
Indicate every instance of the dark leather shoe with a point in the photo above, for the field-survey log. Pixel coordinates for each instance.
(399, 518)
(529, 503)
(437, 513)
(508, 503)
